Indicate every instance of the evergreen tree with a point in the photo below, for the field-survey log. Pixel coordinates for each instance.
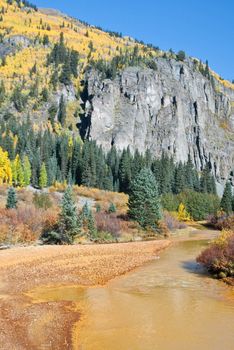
(62, 114)
(11, 199)
(179, 179)
(85, 211)
(112, 208)
(43, 176)
(68, 219)
(18, 99)
(207, 181)
(226, 201)
(27, 171)
(125, 174)
(65, 77)
(74, 59)
(2, 92)
(144, 200)
(92, 230)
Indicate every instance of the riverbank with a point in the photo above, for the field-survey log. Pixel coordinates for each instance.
(27, 325)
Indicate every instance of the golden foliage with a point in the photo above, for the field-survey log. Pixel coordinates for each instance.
(5, 168)
(183, 215)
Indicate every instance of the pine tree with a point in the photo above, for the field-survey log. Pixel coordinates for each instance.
(11, 199)
(43, 176)
(226, 201)
(68, 219)
(144, 200)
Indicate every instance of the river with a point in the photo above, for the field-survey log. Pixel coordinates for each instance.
(167, 304)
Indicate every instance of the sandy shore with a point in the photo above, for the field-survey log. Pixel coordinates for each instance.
(48, 325)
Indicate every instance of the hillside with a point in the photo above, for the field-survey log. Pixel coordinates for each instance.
(73, 79)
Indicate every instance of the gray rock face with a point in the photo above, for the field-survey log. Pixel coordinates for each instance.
(174, 109)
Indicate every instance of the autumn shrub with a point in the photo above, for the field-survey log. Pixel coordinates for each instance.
(109, 223)
(42, 200)
(218, 258)
(171, 222)
(25, 224)
(222, 221)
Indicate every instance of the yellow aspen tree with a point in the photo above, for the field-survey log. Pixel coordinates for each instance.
(5, 168)
(183, 215)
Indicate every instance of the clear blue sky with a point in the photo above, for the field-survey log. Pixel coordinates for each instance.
(202, 28)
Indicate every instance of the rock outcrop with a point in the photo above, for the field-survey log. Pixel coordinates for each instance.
(175, 109)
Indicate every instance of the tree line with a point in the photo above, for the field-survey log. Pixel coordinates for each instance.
(41, 158)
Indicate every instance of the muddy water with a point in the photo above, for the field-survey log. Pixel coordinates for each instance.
(167, 304)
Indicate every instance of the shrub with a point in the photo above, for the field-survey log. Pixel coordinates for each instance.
(25, 224)
(218, 258)
(222, 221)
(183, 215)
(42, 201)
(171, 222)
(109, 223)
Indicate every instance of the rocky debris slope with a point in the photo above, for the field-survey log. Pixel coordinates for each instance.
(175, 109)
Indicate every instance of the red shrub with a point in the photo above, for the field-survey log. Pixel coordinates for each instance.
(171, 222)
(108, 223)
(218, 258)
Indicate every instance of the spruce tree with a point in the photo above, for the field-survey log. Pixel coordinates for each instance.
(43, 176)
(68, 218)
(11, 199)
(62, 111)
(226, 201)
(144, 200)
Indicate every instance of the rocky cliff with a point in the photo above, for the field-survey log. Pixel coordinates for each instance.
(174, 109)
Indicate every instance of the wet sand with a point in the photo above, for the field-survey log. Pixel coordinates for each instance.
(48, 325)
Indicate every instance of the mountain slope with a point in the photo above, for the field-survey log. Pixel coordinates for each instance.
(115, 90)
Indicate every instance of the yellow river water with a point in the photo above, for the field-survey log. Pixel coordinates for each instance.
(167, 304)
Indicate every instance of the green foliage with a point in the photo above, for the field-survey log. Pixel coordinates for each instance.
(207, 181)
(18, 99)
(112, 208)
(226, 202)
(199, 205)
(68, 218)
(11, 199)
(130, 58)
(62, 114)
(69, 59)
(170, 202)
(181, 55)
(27, 171)
(43, 176)
(98, 208)
(144, 200)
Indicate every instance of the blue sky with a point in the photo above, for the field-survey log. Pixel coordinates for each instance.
(202, 28)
